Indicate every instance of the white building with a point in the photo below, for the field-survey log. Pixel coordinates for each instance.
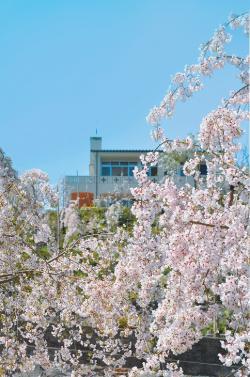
(111, 174)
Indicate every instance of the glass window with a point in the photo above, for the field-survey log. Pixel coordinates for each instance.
(153, 171)
(124, 171)
(203, 169)
(130, 171)
(106, 170)
(116, 171)
(181, 170)
(119, 168)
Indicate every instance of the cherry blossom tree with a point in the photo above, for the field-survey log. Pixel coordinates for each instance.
(203, 237)
(91, 301)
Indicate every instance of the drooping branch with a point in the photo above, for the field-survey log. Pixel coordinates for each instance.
(209, 225)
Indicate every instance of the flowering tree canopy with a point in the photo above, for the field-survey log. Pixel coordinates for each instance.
(152, 292)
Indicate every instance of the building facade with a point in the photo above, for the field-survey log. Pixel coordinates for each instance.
(111, 175)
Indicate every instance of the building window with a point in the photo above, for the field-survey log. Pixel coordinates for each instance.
(123, 168)
(153, 171)
(106, 171)
(117, 171)
(118, 168)
(181, 170)
(203, 169)
(130, 171)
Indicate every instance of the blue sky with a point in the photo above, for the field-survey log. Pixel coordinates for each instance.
(70, 67)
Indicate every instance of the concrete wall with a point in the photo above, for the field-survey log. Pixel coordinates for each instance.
(109, 185)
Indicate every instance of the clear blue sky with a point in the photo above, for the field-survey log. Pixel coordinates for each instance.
(70, 66)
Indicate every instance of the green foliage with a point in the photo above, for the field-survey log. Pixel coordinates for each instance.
(87, 213)
(164, 277)
(167, 270)
(27, 288)
(133, 296)
(25, 256)
(94, 260)
(42, 252)
(152, 343)
(80, 274)
(172, 160)
(220, 324)
(123, 322)
(126, 218)
(52, 221)
(93, 216)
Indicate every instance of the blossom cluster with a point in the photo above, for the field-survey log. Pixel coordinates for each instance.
(212, 57)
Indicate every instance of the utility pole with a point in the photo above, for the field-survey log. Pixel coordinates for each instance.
(58, 220)
(77, 189)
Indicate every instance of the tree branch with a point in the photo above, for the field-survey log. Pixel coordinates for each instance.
(209, 225)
